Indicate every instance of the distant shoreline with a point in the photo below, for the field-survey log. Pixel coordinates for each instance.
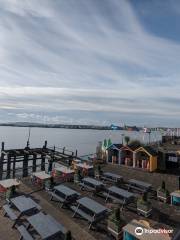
(69, 126)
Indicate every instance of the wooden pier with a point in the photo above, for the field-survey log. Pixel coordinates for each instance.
(15, 162)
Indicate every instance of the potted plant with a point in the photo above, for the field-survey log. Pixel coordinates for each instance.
(10, 193)
(49, 184)
(163, 193)
(115, 223)
(126, 139)
(68, 235)
(77, 176)
(144, 207)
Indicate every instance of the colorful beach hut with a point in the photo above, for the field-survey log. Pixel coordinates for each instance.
(145, 158)
(127, 153)
(114, 154)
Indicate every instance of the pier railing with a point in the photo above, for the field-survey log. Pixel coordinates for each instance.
(20, 162)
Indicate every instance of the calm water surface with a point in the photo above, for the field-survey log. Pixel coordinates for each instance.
(85, 141)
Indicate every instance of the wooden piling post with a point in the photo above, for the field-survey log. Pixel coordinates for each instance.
(1, 160)
(34, 163)
(25, 165)
(8, 171)
(45, 144)
(14, 166)
(43, 160)
(43, 157)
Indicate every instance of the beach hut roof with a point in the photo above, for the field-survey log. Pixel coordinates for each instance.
(129, 147)
(126, 148)
(115, 146)
(149, 150)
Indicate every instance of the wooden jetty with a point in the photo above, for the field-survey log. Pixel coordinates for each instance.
(13, 161)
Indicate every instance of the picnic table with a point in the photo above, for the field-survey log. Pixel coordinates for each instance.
(46, 226)
(90, 210)
(83, 165)
(108, 176)
(63, 172)
(64, 195)
(41, 175)
(92, 184)
(139, 185)
(39, 178)
(7, 187)
(24, 205)
(86, 169)
(119, 195)
(8, 183)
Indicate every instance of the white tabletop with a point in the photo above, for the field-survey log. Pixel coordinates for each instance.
(41, 175)
(7, 183)
(64, 170)
(82, 165)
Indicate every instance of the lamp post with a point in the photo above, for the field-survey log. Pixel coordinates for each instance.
(149, 132)
(122, 136)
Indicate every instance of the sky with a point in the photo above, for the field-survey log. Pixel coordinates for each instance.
(90, 62)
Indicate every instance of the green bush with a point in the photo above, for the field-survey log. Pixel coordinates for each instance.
(68, 236)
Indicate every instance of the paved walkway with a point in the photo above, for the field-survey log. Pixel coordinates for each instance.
(7, 233)
(154, 178)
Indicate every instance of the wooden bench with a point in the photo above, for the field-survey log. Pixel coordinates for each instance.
(9, 212)
(83, 186)
(54, 195)
(25, 235)
(108, 179)
(117, 200)
(113, 197)
(136, 188)
(86, 216)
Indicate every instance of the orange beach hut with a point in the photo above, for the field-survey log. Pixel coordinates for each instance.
(145, 158)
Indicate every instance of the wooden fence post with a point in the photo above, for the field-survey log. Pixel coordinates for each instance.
(34, 162)
(43, 159)
(25, 165)
(14, 166)
(8, 171)
(1, 160)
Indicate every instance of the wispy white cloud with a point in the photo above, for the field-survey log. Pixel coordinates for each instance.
(84, 55)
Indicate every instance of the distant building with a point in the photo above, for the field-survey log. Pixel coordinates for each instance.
(169, 157)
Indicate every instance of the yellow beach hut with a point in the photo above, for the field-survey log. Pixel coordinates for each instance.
(146, 158)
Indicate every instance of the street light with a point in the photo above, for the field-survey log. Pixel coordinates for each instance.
(122, 136)
(149, 132)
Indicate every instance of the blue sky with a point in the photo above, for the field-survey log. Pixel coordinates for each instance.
(90, 61)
